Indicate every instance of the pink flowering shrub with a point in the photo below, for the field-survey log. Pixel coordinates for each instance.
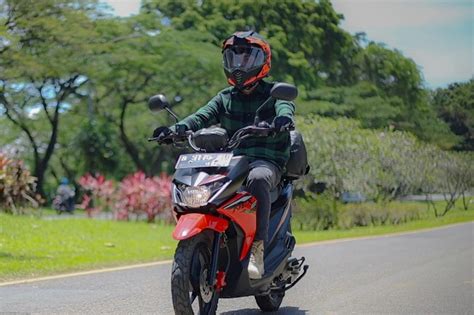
(99, 193)
(135, 195)
(148, 195)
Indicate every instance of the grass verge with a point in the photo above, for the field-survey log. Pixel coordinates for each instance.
(32, 247)
(452, 217)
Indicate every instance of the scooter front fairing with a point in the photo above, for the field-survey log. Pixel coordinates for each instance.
(191, 224)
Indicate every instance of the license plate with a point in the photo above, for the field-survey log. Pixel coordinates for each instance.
(204, 160)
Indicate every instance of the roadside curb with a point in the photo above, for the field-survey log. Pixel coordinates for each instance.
(165, 262)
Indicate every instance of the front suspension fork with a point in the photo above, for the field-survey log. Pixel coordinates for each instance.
(214, 258)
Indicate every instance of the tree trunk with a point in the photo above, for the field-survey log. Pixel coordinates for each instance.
(429, 200)
(129, 147)
(39, 174)
(450, 204)
(465, 203)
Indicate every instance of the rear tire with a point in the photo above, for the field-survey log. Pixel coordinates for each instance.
(190, 267)
(270, 302)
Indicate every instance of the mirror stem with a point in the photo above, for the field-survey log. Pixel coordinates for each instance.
(172, 114)
(257, 118)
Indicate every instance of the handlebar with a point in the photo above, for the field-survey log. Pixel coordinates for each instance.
(247, 132)
(174, 137)
(234, 141)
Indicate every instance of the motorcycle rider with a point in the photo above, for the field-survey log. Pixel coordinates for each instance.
(247, 60)
(65, 195)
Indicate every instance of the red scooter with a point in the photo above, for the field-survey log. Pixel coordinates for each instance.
(216, 219)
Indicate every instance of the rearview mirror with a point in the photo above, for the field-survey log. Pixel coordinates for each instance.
(158, 102)
(284, 91)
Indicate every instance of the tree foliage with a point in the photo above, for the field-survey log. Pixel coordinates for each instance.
(42, 67)
(383, 165)
(308, 46)
(455, 105)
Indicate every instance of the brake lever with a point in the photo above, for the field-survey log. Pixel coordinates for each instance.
(160, 142)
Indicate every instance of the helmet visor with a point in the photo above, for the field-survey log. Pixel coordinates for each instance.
(243, 57)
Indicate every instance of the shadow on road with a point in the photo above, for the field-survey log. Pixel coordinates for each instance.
(288, 310)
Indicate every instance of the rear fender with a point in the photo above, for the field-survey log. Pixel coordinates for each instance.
(193, 223)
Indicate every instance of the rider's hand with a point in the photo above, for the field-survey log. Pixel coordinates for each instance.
(180, 129)
(282, 123)
(161, 133)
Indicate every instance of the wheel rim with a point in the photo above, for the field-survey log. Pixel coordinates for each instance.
(205, 290)
(199, 287)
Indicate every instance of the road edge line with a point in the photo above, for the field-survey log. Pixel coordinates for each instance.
(85, 273)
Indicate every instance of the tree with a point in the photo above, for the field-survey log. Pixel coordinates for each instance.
(357, 101)
(392, 72)
(456, 173)
(383, 165)
(44, 70)
(455, 105)
(340, 155)
(308, 46)
(143, 63)
(389, 92)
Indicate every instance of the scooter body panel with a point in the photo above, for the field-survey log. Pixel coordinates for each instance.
(191, 224)
(242, 210)
(277, 253)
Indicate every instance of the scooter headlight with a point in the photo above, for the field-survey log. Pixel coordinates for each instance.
(196, 196)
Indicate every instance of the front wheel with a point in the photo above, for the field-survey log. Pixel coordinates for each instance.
(270, 302)
(190, 271)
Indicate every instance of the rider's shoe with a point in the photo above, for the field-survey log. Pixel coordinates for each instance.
(256, 268)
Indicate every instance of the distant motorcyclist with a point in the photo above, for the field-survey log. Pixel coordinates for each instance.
(247, 60)
(64, 199)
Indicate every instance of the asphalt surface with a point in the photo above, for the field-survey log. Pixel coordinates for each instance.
(428, 272)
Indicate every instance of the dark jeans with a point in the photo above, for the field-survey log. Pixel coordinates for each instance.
(263, 177)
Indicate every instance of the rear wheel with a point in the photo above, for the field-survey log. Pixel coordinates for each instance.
(270, 302)
(190, 291)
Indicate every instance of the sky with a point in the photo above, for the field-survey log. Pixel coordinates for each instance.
(437, 34)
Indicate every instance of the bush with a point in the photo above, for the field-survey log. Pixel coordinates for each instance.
(17, 186)
(314, 213)
(98, 194)
(135, 195)
(373, 214)
(320, 214)
(140, 194)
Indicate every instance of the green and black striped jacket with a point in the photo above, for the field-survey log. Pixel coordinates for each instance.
(234, 110)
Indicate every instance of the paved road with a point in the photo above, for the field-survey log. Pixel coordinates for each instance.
(423, 273)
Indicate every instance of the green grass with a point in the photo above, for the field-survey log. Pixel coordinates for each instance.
(457, 216)
(32, 247)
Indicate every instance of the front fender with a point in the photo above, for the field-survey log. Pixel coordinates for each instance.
(193, 223)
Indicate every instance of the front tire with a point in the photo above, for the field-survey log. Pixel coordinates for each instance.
(188, 279)
(270, 302)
